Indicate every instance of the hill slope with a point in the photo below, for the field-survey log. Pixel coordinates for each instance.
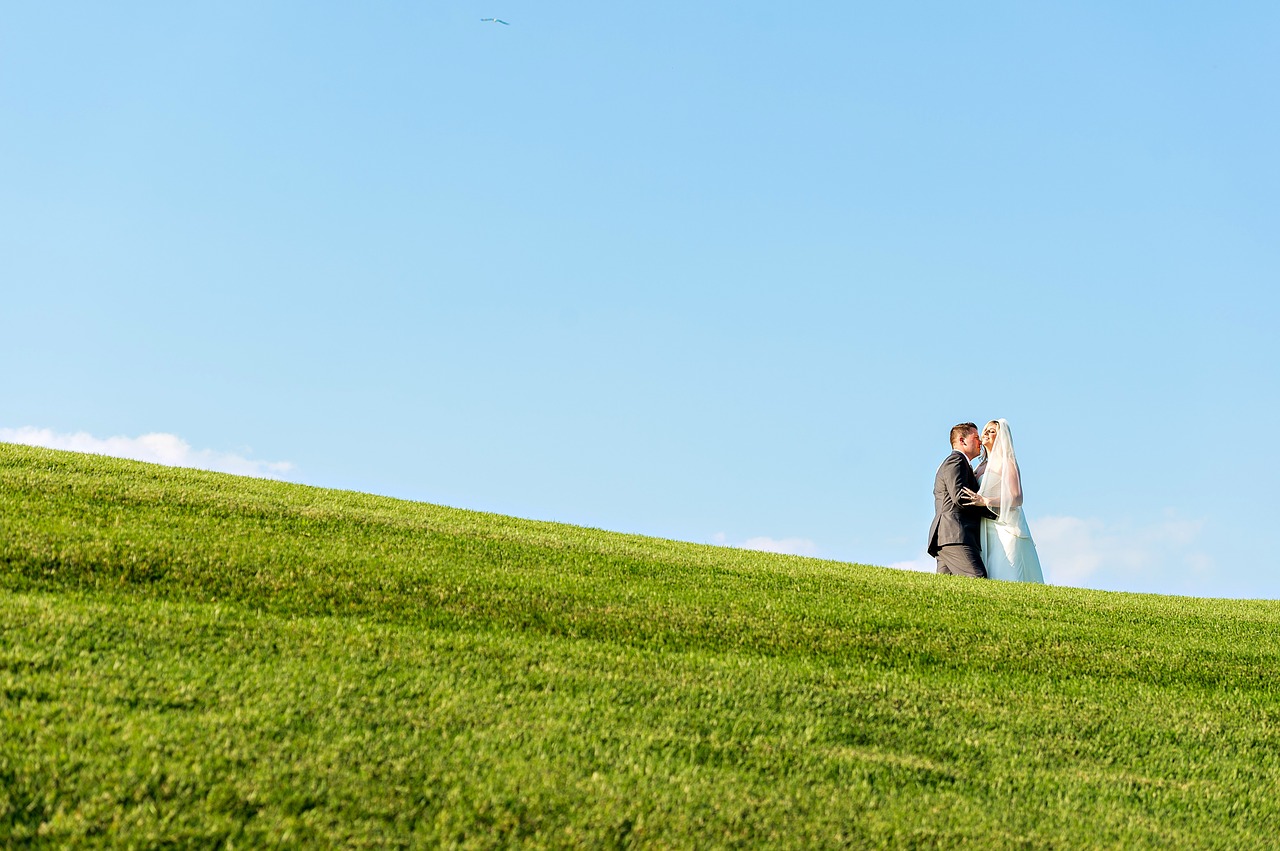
(201, 659)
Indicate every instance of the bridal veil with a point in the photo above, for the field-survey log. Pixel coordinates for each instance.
(1002, 483)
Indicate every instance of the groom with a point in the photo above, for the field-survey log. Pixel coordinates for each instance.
(953, 537)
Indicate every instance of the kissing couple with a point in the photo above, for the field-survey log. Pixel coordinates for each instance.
(978, 528)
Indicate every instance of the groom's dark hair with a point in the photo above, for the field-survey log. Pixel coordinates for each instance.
(959, 431)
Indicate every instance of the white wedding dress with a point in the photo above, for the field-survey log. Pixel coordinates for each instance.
(1008, 552)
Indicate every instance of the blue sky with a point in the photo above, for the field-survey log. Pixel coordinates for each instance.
(720, 272)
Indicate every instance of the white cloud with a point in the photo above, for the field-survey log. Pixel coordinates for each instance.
(785, 546)
(790, 546)
(1163, 556)
(158, 448)
(924, 564)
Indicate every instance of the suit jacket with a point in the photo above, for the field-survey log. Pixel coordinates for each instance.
(954, 523)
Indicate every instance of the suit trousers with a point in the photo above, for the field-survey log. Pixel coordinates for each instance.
(960, 560)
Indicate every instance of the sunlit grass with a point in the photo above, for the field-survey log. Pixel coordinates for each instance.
(196, 659)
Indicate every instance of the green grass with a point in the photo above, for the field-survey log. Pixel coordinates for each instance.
(190, 659)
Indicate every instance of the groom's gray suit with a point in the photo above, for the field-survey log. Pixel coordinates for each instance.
(954, 535)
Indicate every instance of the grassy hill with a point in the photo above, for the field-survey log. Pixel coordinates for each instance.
(199, 660)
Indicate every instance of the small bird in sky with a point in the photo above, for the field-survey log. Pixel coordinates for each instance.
(496, 21)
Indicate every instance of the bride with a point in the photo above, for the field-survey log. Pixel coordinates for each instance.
(1007, 549)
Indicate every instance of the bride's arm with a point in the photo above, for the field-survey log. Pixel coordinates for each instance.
(971, 497)
(1013, 482)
